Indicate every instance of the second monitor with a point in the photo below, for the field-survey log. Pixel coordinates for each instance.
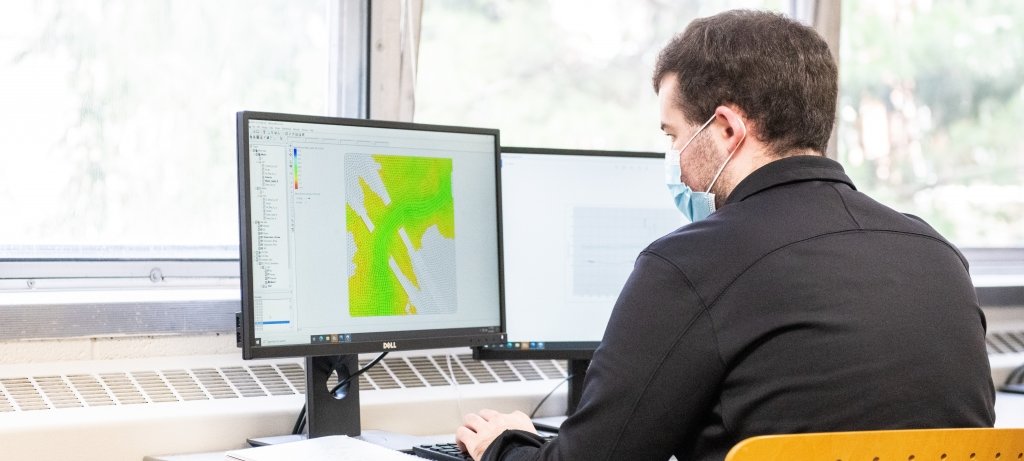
(573, 223)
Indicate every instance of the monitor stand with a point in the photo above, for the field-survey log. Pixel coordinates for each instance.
(577, 373)
(325, 414)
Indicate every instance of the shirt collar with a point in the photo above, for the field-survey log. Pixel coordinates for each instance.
(789, 170)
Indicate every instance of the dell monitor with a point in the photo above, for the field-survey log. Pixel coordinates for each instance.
(364, 236)
(573, 223)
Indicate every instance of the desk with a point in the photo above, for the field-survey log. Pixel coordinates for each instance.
(383, 438)
(1009, 409)
(1009, 413)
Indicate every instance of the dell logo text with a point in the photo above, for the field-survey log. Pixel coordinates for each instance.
(390, 345)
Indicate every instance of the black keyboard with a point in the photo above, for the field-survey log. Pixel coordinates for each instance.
(441, 452)
(451, 452)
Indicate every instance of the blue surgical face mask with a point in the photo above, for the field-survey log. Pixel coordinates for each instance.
(694, 205)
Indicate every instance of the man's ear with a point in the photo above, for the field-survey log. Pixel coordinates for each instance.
(734, 130)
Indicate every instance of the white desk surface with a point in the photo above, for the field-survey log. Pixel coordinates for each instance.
(1009, 409)
(1009, 413)
(388, 439)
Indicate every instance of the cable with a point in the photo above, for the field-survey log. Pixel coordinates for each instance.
(355, 375)
(534, 412)
(455, 384)
(300, 423)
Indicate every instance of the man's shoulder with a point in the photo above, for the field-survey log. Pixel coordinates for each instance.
(875, 216)
(715, 243)
(734, 238)
(681, 243)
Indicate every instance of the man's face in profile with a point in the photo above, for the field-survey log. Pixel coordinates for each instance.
(698, 160)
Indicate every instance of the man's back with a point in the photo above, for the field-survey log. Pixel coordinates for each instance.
(830, 312)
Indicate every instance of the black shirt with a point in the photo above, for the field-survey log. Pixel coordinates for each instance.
(802, 305)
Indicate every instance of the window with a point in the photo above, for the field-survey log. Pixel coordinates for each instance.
(931, 105)
(118, 123)
(118, 116)
(570, 73)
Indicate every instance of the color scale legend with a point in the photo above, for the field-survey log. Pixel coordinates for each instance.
(295, 166)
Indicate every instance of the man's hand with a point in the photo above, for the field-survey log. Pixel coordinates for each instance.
(479, 430)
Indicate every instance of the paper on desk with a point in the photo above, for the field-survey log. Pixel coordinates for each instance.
(333, 448)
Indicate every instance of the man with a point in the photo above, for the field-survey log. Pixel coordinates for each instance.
(792, 303)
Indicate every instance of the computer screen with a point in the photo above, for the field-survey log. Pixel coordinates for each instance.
(573, 224)
(363, 236)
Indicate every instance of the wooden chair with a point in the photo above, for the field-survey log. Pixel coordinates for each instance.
(895, 445)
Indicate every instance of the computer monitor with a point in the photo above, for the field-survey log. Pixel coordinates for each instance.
(573, 223)
(365, 236)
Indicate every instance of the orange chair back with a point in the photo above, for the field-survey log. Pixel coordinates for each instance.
(975, 444)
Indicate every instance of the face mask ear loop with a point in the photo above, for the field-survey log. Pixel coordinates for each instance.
(702, 127)
(720, 170)
(678, 153)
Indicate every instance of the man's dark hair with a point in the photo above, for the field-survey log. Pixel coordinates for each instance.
(779, 72)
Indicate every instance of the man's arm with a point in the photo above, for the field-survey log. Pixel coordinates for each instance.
(651, 382)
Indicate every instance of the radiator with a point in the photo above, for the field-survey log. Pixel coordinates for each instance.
(129, 409)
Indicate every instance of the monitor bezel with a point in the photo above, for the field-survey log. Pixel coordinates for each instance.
(558, 350)
(374, 342)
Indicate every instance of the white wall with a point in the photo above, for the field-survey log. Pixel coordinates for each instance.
(110, 348)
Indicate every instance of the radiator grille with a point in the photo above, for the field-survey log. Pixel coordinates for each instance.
(57, 392)
(503, 371)
(184, 385)
(1005, 342)
(177, 385)
(551, 370)
(154, 387)
(403, 372)
(90, 390)
(272, 381)
(243, 382)
(380, 378)
(5, 405)
(456, 369)
(480, 373)
(24, 394)
(214, 383)
(526, 370)
(429, 371)
(122, 387)
(295, 375)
